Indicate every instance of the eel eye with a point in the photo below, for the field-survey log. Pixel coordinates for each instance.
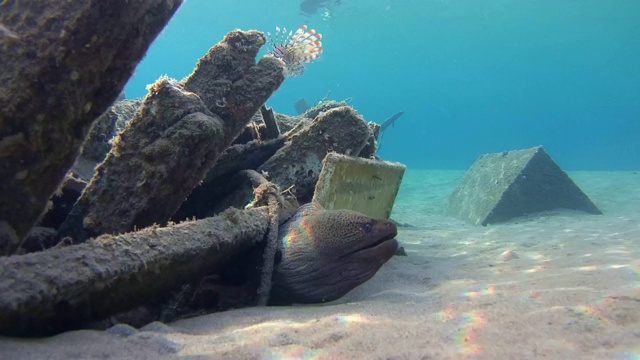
(367, 227)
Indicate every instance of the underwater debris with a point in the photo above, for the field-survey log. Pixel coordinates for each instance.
(295, 49)
(299, 161)
(138, 271)
(45, 118)
(175, 139)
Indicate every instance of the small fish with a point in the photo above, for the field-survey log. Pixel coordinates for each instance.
(390, 121)
(295, 49)
(385, 125)
(324, 254)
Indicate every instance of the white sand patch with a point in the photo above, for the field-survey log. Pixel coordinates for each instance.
(569, 289)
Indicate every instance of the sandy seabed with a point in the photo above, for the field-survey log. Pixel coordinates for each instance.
(557, 285)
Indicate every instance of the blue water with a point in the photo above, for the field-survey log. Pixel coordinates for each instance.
(472, 76)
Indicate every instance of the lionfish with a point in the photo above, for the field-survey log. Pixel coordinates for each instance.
(295, 49)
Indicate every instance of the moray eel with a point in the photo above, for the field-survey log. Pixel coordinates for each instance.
(324, 254)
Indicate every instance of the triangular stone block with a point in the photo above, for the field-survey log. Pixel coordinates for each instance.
(504, 185)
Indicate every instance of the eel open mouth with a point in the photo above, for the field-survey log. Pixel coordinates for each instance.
(382, 240)
(386, 231)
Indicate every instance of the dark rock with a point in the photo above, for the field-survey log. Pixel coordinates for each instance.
(8, 239)
(287, 122)
(271, 125)
(256, 130)
(98, 143)
(370, 149)
(40, 238)
(62, 203)
(322, 107)
(504, 185)
(205, 199)
(298, 163)
(175, 138)
(151, 167)
(251, 132)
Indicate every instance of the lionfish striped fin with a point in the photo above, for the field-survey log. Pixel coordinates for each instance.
(295, 48)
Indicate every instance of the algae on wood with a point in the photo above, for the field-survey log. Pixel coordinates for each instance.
(59, 289)
(63, 64)
(174, 139)
(299, 162)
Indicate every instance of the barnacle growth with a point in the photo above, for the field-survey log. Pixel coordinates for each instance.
(295, 49)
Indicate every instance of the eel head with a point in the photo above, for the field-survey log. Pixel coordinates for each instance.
(327, 253)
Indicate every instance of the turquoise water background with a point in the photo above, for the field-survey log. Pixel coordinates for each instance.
(472, 76)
